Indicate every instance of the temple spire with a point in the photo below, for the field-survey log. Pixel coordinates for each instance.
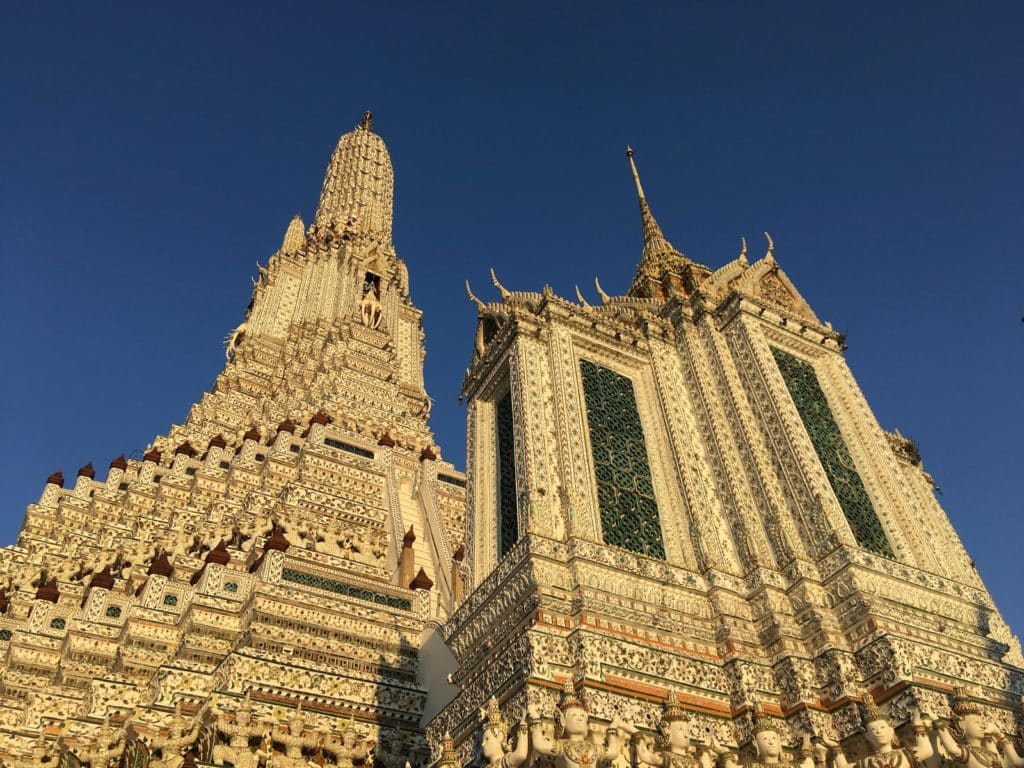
(655, 241)
(359, 186)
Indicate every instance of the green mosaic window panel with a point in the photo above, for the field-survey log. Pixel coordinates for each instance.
(5, 634)
(170, 599)
(57, 624)
(508, 512)
(805, 389)
(625, 492)
(348, 590)
(113, 611)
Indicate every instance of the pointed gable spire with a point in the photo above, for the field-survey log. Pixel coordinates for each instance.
(655, 242)
(659, 273)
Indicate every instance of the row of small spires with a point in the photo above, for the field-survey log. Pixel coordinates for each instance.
(161, 566)
(186, 449)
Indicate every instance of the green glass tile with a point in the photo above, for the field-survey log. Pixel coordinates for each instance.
(625, 493)
(805, 389)
(340, 588)
(508, 516)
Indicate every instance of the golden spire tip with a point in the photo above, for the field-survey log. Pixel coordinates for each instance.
(636, 173)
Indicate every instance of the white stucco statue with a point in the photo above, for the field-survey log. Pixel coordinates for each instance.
(577, 748)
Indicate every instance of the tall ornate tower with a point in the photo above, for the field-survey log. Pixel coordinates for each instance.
(270, 572)
(683, 491)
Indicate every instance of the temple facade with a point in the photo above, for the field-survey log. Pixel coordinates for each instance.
(682, 540)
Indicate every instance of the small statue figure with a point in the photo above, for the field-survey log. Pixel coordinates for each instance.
(370, 306)
(42, 752)
(172, 746)
(294, 741)
(980, 747)
(675, 729)
(238, 538)
(352, 748)
(768, 744)
(886, 751)
(105, 747)
(494, 742)
(198, 546)
(237, 751)
(575, 750)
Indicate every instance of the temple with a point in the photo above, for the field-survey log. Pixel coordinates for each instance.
(682, 540)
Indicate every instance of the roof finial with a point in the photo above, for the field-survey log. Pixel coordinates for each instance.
(473, 298)
(501, 288)
(636, 174)
(366, 123)
(583, 301)
(743, 251)
(605, 298)
(770, 255)
(655, 241)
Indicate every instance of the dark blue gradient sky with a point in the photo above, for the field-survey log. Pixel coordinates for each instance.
(153, 152)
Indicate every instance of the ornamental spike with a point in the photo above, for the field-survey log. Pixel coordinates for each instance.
(473, 298)
(505, 294)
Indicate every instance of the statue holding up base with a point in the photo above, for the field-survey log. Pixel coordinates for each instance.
(576, 749)
(980, 747)
(768, 744)
(181, 735)
(353, 747)
(675, 729)
(886, 750)
(494, 743)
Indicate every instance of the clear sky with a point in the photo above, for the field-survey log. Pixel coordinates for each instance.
(151, 153)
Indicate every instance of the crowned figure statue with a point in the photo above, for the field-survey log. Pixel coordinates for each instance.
(353, 747)
(980, 745)
(494, 739)
(768, 745)
(885, 751)
(677, 751)
(577, 747)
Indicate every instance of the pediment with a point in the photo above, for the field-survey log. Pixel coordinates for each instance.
(766, 280)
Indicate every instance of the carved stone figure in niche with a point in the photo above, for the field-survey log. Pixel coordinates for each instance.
(370, 307)
(236, 751)
(311, 537)
(675, 729)
(577, 748)
(768, 744)
(886, 750)
(353, 748)
(172, 746)
(494, 740)
(103, 748)
(294, 741)
(980, 746)
(238, 538)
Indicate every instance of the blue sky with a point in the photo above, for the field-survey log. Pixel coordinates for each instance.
(152, 153)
